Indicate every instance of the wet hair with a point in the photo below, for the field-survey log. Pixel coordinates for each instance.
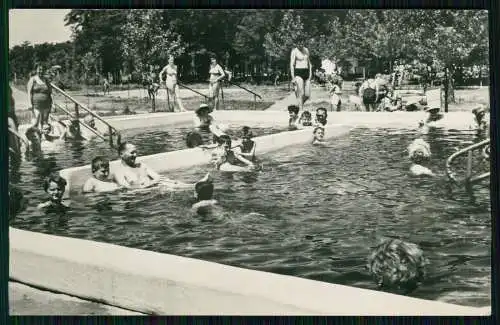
(99, 162)
(294, 109)
(322, 109)
(54, 178)
(204, 190)
(193, 139)
(316, 129)
(395, 264)
(122, 147)
(225, 139)
(247, 132)
(31, 133)
(306, 114)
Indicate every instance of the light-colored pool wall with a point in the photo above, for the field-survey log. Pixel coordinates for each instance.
(164, 284)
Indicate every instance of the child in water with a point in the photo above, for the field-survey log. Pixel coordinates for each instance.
(247, 146)
(318, 136)
(397, 265)
(229, 160)
(293, 121)
(100, 182)
(419, 152)
(55, 186)
(431, 120)
(203, 192)
(306, 119)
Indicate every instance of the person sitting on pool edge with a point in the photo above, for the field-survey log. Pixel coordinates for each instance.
(229, 160)
(293, 120)
(321, 115)
(419, 152)
(306, 119)
(247, 146)
(397, 266)
(203, 194)
(318, 135)
(55, 186)
(132, 175)
(204, 122)
(100, 181)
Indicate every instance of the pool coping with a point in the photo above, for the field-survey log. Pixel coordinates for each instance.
(163, 284)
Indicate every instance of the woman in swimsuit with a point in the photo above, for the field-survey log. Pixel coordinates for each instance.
(40, 96)
(171, 83)
(301, 72)
(216, 75)
(204, 123)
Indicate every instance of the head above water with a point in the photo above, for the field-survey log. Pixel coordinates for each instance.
(46, 129)
(321, 114)
(247, 133)
(479, 111)
(293, 110)
(204, 190)
(319, 133)
(128, 153)
(397, 265)
(194, 139)
(100, 167)
(54, 185)
(225, 140)
(203, 110)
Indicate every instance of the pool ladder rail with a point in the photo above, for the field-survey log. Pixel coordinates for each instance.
(15, 142)
(112, 132)
(469, 179)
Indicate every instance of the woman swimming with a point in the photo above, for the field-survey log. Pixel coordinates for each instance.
(301, 73)
(216, 75)
(204, 123)
(171, 83)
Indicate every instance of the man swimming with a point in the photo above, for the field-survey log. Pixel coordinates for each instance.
(419, 152)
(321, 115)
(318, 136)
(132, 175)
(204, 195)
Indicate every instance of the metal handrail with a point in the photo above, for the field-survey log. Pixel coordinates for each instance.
(467, 150)
(112, 130)
(20, 138)
(194, 91)
(247, 90)
(73, 117)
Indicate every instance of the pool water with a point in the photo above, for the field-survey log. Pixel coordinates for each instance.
(312, 212)
(29, 175)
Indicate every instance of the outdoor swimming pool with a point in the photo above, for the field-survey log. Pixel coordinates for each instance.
(312, 212)
(29, 175)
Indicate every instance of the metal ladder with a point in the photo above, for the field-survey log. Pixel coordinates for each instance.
(112, 131)
(469, 179)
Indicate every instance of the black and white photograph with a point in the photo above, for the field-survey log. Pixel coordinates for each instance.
(249, 162)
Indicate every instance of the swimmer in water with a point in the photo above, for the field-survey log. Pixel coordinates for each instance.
(481, 120)
(431, 120)
(305, 119)
(204, 122)
(318, 136)
(397, 265)
(247, 146)
(419, 152)
(293, 121)
(55, 186)
(100, 182)
(73, 131)
(229, 160)
(321, 115)
(47, 134)
(203, 194)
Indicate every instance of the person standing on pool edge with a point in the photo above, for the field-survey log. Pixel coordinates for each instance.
(301, 72)
(171, 83)
(40, 96)
(216, 75)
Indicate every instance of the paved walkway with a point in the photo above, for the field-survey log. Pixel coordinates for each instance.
(318, 94)
(25, 300)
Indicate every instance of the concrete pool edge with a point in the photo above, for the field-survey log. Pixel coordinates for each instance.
(163, 284)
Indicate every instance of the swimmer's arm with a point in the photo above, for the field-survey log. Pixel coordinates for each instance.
(215, 130)
(120, 179)
(251, 153)
(196, 122)
(43, 205)
(154, 176)
(175, 184)
(89, 186)
(243, 160)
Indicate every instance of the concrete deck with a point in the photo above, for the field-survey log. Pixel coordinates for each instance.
(26, 300)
